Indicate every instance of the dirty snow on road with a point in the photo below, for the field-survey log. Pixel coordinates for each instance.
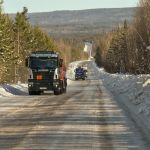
(85, 118)
(130, 91)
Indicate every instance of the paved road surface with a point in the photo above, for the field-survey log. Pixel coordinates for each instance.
(86, 118)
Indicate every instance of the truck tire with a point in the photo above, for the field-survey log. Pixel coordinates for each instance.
(65, 89)
(56, 92)
(38, 92)
(31, 92)
(60, 89)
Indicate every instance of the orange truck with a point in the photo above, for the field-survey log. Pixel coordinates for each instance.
(46, 73)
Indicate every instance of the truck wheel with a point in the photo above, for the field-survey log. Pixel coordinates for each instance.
(65, 89)
(38, 93)
(56, 92)
(66, 82)
(31, 92)
(61, 90)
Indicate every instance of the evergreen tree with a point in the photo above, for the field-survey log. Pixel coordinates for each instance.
(98, 57)
(117, 53)
(27, 39)
(6, 46)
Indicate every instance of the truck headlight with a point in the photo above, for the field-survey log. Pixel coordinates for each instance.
(55, 83)
(30, 84)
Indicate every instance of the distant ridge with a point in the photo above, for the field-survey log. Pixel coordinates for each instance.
(81, 21)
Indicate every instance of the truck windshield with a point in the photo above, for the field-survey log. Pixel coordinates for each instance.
(38, 63)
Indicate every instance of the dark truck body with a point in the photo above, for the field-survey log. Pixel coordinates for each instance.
(44, 70)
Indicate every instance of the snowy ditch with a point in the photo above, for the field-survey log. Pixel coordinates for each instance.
(9, 90)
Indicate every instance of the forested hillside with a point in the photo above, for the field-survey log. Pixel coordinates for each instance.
(122, 49)
(125, 49)
(18, 38)
(81, 21)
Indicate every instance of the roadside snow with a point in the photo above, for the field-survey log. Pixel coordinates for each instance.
(3, 92)
(9, 90)
(132, 92)
(134, 88)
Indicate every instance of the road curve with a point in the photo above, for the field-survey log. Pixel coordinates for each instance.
(86, 118)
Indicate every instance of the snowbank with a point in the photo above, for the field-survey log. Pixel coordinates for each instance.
(8, 90)
(132, 92)
(135, 89)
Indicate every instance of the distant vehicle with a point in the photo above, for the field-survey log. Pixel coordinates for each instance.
(46, 73)
(80, 73)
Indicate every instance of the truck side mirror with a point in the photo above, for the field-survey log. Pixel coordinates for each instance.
(61, 62)
(26, 62)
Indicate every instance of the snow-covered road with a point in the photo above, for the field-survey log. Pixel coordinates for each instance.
(87, 117)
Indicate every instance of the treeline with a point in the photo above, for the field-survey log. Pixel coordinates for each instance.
(18, 38)
(71, 49)
(124, 50)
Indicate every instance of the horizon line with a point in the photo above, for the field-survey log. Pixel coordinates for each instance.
(73, 10)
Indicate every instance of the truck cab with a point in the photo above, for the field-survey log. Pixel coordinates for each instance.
(44, 69)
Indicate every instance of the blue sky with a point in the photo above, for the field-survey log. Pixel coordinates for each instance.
(12, 6)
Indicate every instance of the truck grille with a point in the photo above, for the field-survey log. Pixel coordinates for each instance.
(47, 75)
